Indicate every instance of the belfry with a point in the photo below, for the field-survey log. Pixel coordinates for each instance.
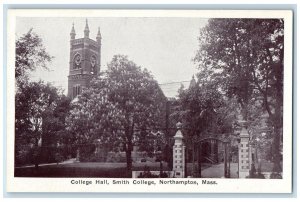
(85, 60)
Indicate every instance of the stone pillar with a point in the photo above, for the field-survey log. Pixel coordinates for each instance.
(244, 154)
(178, 154)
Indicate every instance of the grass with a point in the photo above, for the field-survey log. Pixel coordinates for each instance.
(90, 169)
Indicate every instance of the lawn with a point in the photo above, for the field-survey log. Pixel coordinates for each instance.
(87, 169)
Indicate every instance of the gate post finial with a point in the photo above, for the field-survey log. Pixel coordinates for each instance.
(178, 125)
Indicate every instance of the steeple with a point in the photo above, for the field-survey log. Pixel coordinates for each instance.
(98, 38)
(72, 34)
(86, 29)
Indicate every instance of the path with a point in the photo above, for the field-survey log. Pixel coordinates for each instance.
(69, 161)
(217, 171)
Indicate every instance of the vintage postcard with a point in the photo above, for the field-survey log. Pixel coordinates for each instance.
(149, 101)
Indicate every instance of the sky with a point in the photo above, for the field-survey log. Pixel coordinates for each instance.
(165, 46)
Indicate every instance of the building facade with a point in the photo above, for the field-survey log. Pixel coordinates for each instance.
(85, 61)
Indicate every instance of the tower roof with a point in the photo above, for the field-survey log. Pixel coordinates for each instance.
(86, 25)
(72, 34)
(86, 29)
(73, 29)
(98, 37)
(98, 34)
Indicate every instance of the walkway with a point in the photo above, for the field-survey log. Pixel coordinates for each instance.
(70, 161)
(217, 171)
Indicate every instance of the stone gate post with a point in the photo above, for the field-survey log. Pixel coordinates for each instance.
(244, 153)
(178, 153)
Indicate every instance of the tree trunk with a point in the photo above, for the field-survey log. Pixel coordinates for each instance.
(128, 159)
(276, 146)
(199, 159)
(128, 149)
(277, 119)
(37, 154)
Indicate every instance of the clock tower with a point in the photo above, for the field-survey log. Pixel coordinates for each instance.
(85, 61)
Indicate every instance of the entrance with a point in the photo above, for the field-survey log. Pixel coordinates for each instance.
(209, 150)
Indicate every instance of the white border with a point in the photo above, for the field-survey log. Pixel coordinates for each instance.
(224, 185)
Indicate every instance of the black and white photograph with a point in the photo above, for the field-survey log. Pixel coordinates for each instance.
(116, 100)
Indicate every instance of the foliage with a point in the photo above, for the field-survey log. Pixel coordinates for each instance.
(30, 55)
(245, 58)
(151, 142)
(54, 130)
(34, 101)
(204, 110)
(117, 106)
(276, 176)
(38, 117)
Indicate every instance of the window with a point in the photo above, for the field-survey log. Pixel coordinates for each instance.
(76, 90)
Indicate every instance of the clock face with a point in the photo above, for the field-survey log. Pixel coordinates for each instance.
(93, 61)
(77, 60)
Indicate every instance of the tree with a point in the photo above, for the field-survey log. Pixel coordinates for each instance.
(54, 130)
(34, 102)
(119, 105)
(30, 55)
(201, 109)
(246, 57)
(40, 108)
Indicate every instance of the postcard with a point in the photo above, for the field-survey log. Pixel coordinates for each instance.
(149, 101)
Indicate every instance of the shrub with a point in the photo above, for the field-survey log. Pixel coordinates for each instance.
(275, 176)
